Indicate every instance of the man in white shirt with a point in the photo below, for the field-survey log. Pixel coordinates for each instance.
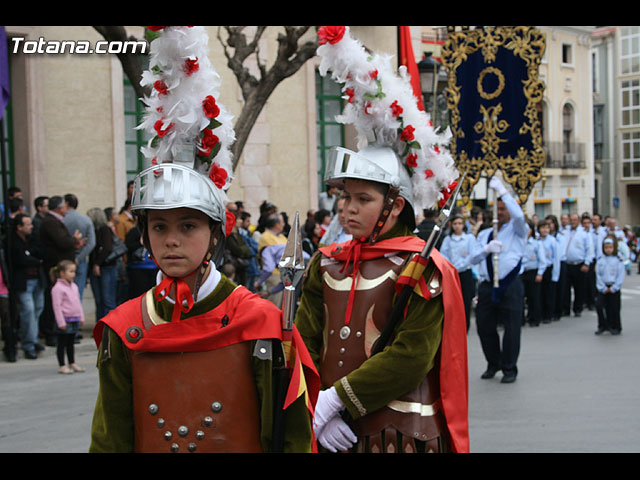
(506, 302)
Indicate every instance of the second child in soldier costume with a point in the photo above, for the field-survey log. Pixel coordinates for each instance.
(412, 395)
(188, 366)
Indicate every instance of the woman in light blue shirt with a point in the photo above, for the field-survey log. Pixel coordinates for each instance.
(456, 247)
(534, 263)
(551, 275)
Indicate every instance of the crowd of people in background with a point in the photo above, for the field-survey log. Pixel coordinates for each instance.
(571, 263)
(50, 257)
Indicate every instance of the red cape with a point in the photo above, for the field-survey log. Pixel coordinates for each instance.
(454, 379)
(246, 317)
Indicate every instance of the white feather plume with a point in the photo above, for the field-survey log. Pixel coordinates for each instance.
(374, 91)
(178, 114)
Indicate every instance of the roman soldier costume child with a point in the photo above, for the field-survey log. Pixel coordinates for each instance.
(411, 395)
(189, 365)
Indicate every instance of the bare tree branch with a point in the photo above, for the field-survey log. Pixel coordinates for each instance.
(255, 91)
(131, 63)
(290, 57)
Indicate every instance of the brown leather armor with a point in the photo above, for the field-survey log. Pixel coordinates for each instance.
(195, 401)
(413, 422)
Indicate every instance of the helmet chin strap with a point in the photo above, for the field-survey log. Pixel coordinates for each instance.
(387, 206)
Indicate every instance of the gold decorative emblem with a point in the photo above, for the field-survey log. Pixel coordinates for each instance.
(480, 83)
(489, 134)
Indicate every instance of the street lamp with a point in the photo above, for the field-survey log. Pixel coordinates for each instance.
(430, 72)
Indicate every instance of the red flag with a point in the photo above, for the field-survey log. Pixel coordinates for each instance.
(408, 59)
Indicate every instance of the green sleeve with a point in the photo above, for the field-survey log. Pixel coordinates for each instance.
(112, 427)
(310, 313)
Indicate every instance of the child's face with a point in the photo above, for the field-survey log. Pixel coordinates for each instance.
(544, 230)
(362, 207)
(179, 239)
(458, 226)
(607, 248)
(69, 274)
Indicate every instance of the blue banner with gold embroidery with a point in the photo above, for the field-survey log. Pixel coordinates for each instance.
(493, 91)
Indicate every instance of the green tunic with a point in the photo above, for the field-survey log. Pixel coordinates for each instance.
(400, 367)
(112, 428)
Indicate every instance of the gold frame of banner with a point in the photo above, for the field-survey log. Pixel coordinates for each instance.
(524, 169)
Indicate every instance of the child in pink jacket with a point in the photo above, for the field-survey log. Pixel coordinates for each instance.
(68, 311)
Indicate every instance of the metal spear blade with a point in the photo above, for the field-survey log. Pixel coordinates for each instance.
(291, 264)
(443, 218)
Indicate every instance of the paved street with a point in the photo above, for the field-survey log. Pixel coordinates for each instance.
(576, 392)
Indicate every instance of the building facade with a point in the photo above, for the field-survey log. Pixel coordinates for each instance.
(616, 92)
(71, 122)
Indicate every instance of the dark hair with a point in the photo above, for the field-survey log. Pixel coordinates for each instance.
(429, 213)
(309, 227)
(320, 215)
(552, 219)
(126, 205)
(17, 221)
(244, 215)
(72, 200)
(55, 202)
(543, 223)
(15, 203)
(13, 190)
(39, 201)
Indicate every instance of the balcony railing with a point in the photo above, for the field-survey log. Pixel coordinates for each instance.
(567, 156)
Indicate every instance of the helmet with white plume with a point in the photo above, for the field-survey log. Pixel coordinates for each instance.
(191, 133)
(397, 143)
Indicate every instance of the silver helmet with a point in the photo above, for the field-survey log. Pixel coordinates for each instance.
(373, 163)
(172, 185)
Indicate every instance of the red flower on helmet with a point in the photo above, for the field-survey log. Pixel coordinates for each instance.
(407, 133)
(155, 29)
(350, 92)
(446, 192)
(161, 131)
(209, 140)
(191, 66)
(211, 110)
(330, 34)
(396, 109)
(161, 87)
(429, 173)
(218, 175)
(412, 160)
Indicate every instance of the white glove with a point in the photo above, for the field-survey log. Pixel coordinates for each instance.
(494, 246)
(328, 406)
(337, 435)
(497, 185)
